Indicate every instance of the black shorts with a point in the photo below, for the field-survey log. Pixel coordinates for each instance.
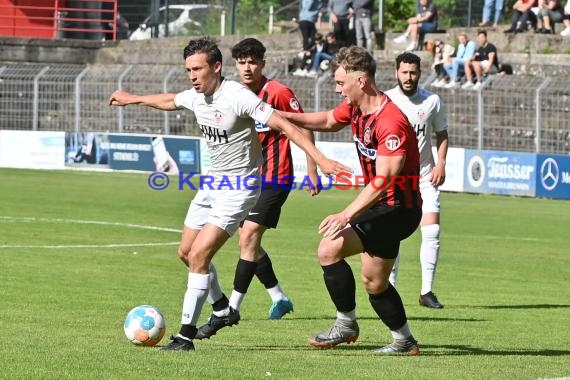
(381, 228)
(267, 210)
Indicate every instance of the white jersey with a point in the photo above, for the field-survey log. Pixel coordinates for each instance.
(426, 113)
(227, 121)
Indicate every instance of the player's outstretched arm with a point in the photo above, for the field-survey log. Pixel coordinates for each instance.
(312, 166)
(164, 102)
(323, 121)
(328, 166)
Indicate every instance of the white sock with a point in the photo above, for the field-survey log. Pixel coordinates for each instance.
(277, 294)
(402, 333)
(394, 273)
(215, 292)
(196, 294)
(236, 299)
(429, 255)
(346, 316)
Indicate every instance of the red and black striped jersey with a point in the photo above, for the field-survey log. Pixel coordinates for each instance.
(277, 161)
(385, 132)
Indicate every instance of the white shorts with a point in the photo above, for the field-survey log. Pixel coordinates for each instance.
(224, 208)
(430, 195)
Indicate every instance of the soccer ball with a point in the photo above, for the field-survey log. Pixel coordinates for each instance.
(144, 325)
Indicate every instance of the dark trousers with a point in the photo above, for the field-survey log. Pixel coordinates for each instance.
(520, 19)
(308, 31)
(342, 33)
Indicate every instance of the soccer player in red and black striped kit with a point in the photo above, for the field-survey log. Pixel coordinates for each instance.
(385, 212)
(277, 172)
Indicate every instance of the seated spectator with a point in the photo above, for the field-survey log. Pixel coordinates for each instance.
(522, 16)
(425, 21)
(485, 61)
(454, 68)
(488, 7)
(566, 31)
(549, 12)
(441, 53)
(322, 51)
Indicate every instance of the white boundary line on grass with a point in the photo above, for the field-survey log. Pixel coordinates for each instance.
(31, 219)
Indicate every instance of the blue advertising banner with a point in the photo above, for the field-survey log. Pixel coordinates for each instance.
(154, 153)
(553, 176)
(496, 172)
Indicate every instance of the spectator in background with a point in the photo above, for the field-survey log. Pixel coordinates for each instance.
(441, 53)
(485, 61)
(363, 23)
(488, 7)
(339, 11)
(425, 21)
(454, 68)
(522, 15)
(323, 51)
(566, 31)
(308, 14)
(549, 12)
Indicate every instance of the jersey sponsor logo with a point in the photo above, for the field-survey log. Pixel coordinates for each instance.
(261, 107)
(367, 136)
(392, 142)
(294, 103)
(260, 127)
(420, 129)
(367, 152)
(214, 134)
(217, 117)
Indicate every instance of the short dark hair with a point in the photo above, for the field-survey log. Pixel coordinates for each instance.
(481, 31)
(408, 57)
(249, 47)
(204, 45)
(354, 58)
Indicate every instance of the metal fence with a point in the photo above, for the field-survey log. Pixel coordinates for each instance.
(512, 113)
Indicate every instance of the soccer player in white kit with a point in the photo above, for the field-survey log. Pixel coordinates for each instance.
(226, 112)
(426, 113)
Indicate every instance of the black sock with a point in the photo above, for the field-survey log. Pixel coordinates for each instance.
(188, 331)
(389, 307)
(221, 304)
(245, 270)
(265, 273)
(340, 283)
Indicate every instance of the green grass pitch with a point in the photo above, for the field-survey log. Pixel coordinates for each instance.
(77, 252)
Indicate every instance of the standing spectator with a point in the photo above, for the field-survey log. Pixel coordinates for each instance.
(363, 23)
(441, 53)
(522, 15)
(464, 52)
(308, 14)
(381, 216)
(485, 61)
(488, 7)
(426, 113)
(566, 31)
(425, 21)
(339, 11)
(549, 12)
